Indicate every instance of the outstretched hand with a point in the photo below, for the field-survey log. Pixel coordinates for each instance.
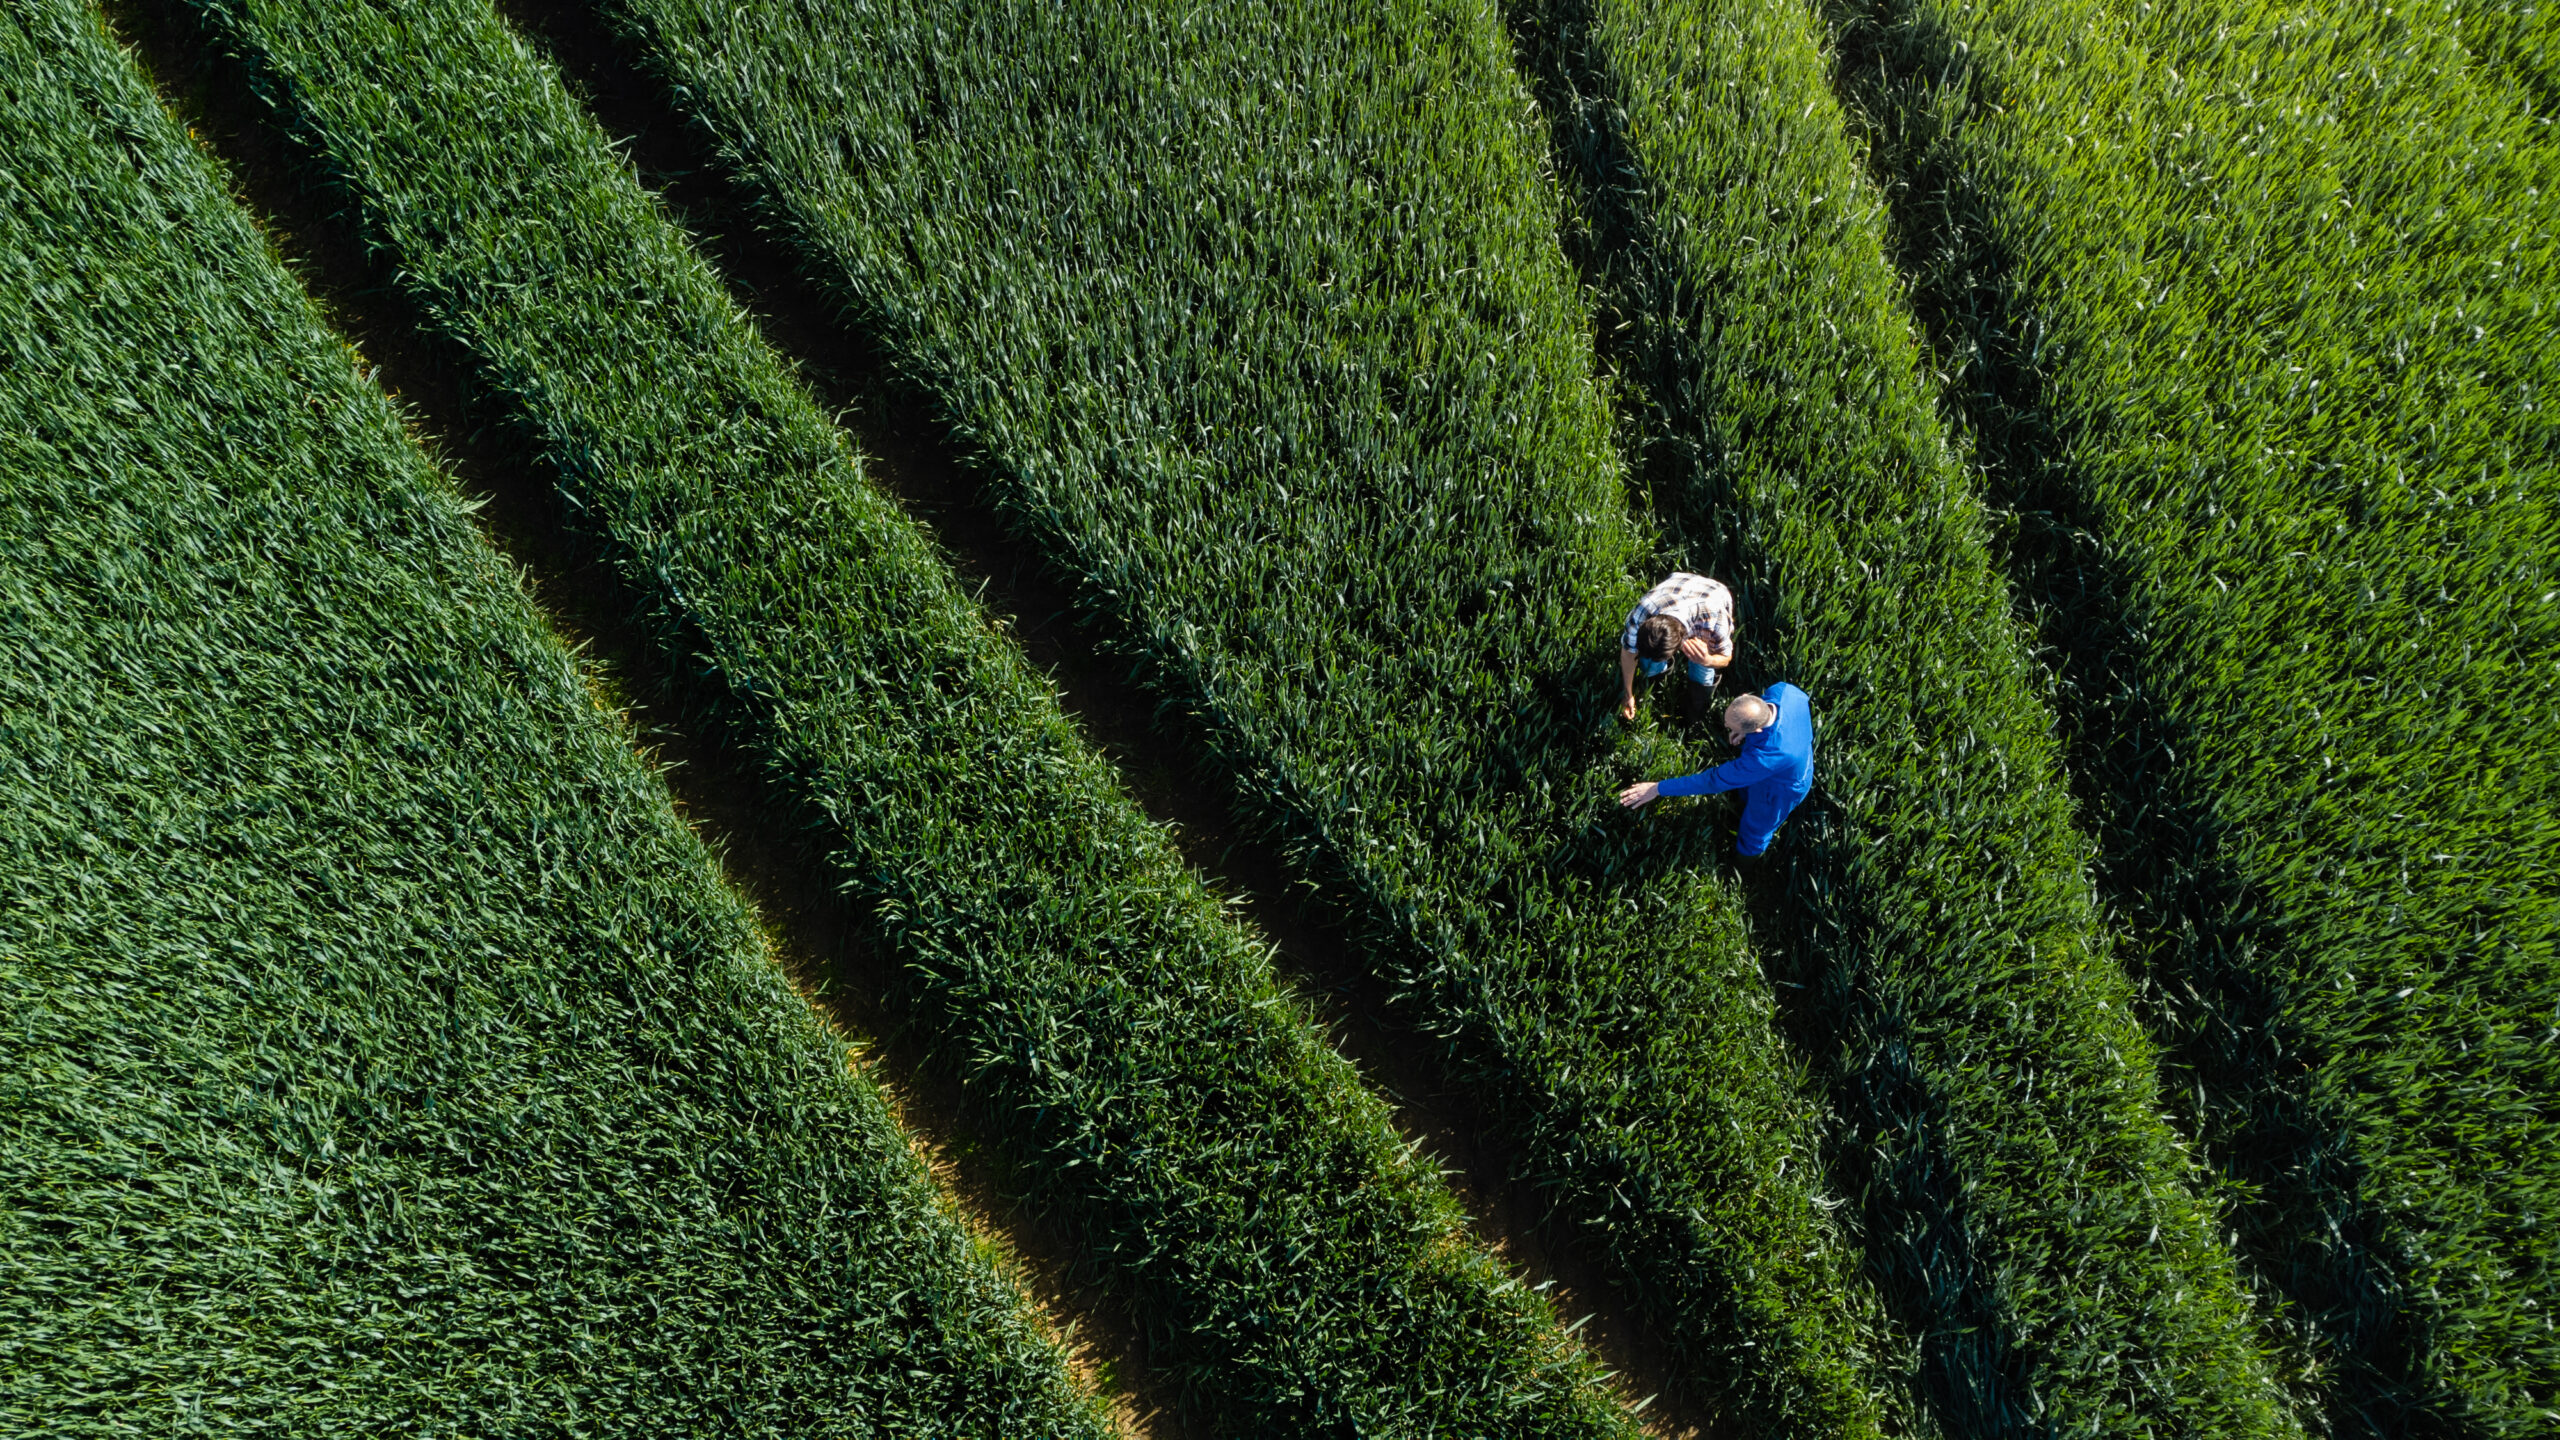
(1627, 709)
(1636, 797)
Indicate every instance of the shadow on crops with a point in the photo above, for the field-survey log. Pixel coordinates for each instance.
(2205, 949)
(753, 819)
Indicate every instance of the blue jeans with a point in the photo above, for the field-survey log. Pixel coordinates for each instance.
(1700, 673)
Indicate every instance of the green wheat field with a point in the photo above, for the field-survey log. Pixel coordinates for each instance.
(887, 718)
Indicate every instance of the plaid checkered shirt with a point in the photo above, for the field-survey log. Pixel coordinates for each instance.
(1703, 604)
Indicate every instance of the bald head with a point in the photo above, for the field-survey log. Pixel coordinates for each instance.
(1748, 715)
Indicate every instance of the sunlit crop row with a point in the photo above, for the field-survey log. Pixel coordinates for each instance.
(382, 1055)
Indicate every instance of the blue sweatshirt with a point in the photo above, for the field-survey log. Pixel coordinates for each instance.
(1774, 770)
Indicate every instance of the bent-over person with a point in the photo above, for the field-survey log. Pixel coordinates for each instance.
(1688, 618)
(1774, 770)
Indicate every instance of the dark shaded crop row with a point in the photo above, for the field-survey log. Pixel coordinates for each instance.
(1254, 320)
(381, 1055)
(1216, 1169)
(2031, 1212)
(2249, 309)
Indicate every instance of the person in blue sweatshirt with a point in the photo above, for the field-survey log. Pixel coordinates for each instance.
(1774, 770)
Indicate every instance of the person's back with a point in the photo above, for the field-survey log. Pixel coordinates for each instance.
(1791, 739)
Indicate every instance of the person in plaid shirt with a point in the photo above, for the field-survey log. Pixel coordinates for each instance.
(1688, 616)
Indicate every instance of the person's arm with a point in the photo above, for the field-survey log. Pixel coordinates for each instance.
(1627, 684)
(1756, 762)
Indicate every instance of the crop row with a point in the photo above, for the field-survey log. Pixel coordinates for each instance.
(2248, 307)
(1256, 322)
(1216, 1169)
(2032, 1213)
(382, 1054)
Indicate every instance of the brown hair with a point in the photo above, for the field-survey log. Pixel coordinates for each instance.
(1659, 637)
